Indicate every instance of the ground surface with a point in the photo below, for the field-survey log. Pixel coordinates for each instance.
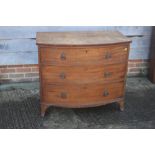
(19, 108)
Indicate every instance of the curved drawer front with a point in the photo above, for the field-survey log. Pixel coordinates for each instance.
(114, 54)
(85, 74)
(80, 95)
(80, 56)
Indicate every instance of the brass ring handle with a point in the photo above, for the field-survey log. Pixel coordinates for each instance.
(105, 93)
(62, 75)
(63, 56)
(63, 95)
(107, 74)
(108, 55)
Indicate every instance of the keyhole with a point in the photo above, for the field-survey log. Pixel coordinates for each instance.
(86, 51)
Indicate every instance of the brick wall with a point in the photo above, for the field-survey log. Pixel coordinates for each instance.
(138, 67)
(18, 73)
(23, 73)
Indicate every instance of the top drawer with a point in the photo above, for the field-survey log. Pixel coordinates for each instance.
(80, 56)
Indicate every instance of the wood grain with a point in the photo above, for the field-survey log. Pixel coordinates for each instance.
(83, 74)
(80, 56)
(77, 95)
(81, 38)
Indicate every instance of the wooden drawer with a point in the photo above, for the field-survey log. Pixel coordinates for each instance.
(80, 56)
(114, 54)
(81, 95)
(85, 74)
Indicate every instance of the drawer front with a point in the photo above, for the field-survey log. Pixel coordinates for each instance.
(85, 74)
(79, 95)
(68, 56)
(114, 54)
(80, 56)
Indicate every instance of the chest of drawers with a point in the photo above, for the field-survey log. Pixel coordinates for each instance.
(82, 69)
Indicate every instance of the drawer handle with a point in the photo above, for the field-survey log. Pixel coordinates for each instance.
(105, 93)
(107, 74)
(63, 56)
(63, 95)
(108, 55)
(62, 75)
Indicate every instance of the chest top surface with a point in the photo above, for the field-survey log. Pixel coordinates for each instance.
(81, 38)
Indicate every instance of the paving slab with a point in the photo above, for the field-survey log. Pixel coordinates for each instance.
(20, 108)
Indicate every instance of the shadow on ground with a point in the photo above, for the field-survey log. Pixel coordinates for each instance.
(19, 108)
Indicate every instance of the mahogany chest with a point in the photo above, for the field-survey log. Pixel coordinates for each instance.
(82, 69)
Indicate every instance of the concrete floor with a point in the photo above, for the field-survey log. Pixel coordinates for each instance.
(19, 108)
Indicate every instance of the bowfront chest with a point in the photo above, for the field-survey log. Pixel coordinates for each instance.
(82, 69)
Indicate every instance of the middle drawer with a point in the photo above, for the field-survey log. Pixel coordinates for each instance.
(83, 74)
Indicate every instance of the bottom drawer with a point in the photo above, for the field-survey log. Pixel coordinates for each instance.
(81, 95)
